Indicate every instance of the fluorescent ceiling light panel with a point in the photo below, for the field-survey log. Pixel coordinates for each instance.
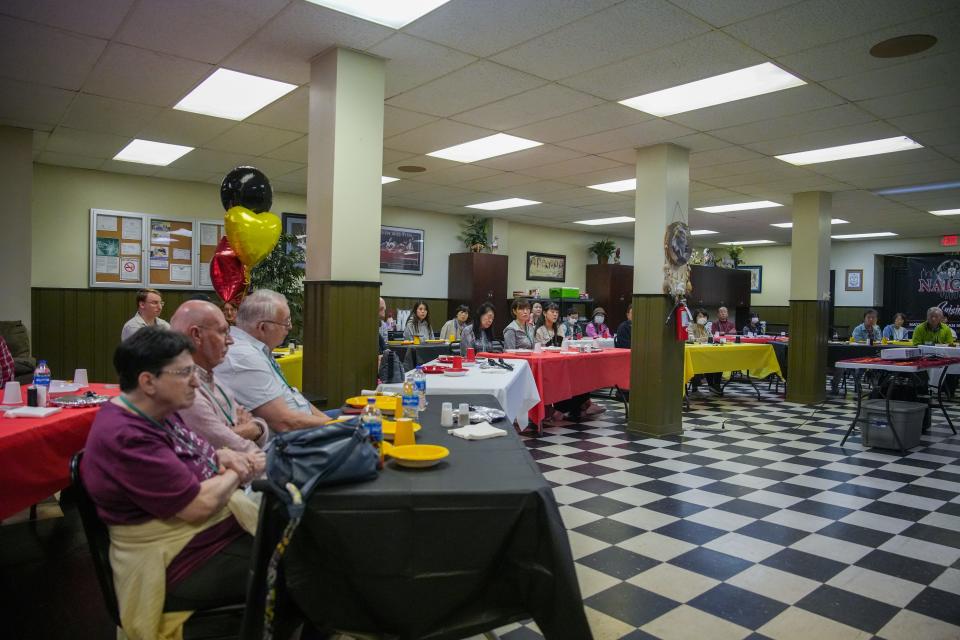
(616, 187)
(148, 152)
(917, 188)
(789, 225)
(856, 150)
(497, 205)
(489, 147)
(388, 179)
(726, 87)
(703, 232)
(946, 212)
(740, 206)
(233, 95)
(389, 13)
(599, 221)
(857, 236)
(746, 242)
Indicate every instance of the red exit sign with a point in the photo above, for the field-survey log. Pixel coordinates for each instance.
(948, 241)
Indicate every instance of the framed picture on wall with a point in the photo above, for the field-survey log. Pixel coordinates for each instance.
(549, 267)
(295, 224)
(756, 276)
(853, 281)
(401, 250)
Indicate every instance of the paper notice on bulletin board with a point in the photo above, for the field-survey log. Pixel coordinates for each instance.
(181, 273)
(208, 234)
(159, 257)
(130, 269)
(106, 223)
(160, 232)
(132, 229)
(181, 254)
(108, 264)
(205, 276)
(130, 249)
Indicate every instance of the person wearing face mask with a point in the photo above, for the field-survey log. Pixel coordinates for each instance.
(753, 327)
(571, 327)
(519, 334)
(597, 328)
(698, 332)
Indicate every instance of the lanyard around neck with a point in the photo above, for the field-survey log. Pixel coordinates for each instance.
(276, 369)
(166, 426)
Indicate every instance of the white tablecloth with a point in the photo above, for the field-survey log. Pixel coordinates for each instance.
(515, 390)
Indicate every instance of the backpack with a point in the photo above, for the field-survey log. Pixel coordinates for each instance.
(391, 369)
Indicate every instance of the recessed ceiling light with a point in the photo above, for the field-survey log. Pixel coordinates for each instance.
(233, 95)
(902, 46)
(599, 221)
(946, 212)
(703, 232)
(489, 147)
(389, 13)
(726, 87)
(856, 150)
(857, 236)
(616, 187)
(740, 206)
(148, 152)
(388, 179)
(789, 225)
(508, 203)
(746, 242)
(917, 188)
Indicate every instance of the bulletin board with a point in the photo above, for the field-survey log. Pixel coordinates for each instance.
(210, 233)
(116, 249)
(171, 253)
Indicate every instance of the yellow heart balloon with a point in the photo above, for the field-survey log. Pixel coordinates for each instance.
(252, 235)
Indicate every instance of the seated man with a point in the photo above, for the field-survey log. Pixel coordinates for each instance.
(868, 329)
(249, 370)
(215, 414)
(723, 325)
(624, 332)
(149, 306)
(933, 331)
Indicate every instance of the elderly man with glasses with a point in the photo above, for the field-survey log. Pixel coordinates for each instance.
(251, 373)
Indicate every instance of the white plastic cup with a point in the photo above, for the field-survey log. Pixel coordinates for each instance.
(446, 414)
(537, 347)
(464, 414)
(80, 377)
(42, 390)
(11, 393)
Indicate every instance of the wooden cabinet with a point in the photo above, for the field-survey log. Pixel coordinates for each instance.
(611, 287)
(475, 278)
(718, 287)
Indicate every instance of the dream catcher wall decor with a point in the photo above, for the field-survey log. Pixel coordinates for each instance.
(677, 249)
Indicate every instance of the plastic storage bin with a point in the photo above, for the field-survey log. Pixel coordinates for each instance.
(907, 420)
(564, 292)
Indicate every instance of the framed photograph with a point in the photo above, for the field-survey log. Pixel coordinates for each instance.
(549, 267)
(401, 250)
(756, 276)
(295, 224)
(853, 280)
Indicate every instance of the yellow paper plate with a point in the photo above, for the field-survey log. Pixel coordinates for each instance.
(384, 403)
(390, 428)
(435, 341)
(417, 456)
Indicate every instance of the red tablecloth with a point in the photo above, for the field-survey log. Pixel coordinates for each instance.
(35, 453)
(563, 375)
(763, 340)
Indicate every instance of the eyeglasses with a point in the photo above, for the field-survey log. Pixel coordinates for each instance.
(288, 324)
(186, 372)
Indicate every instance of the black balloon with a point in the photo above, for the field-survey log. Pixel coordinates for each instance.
(246, 187)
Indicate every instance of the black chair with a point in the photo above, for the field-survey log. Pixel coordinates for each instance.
(209, 624)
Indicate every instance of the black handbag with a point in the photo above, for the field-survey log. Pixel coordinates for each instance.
(391, 369)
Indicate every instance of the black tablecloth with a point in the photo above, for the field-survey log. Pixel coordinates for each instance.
(780, 350)
(441, 553)
(412, 355)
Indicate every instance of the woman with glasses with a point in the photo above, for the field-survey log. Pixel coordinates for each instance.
(180, 528)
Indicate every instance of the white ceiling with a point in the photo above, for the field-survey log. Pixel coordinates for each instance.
(89, 75)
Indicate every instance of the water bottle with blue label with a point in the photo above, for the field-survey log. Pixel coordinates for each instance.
(409, 398)
(41, 380)
(420, 385)
(372, 419)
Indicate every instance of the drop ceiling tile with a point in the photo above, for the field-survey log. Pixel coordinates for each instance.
(638, 135)
(720, 14)
(404, 187)
(173, 173)
(389, 155)
(282, 50)
(72, 16)
(721, 156)
(919, 101)
(696, 142)
(69, 160)
(272, 167)
(42, 55)
(544, 154)
(744, 167)
(915, 74)
(396, 120)
(208, 160)
(928, 121)
(592, 120)
(298, 176)
(474, 85)
(182, 127)
(454, 175)
(40, 140)
(291, 112)
(533, 189)
(290, 187)
(611, 174)
(436, 135)
(107, 115)
(770, 105)
(501, 180)
(132, 168)
(85, 143)
(144, 76)
(795, 124)
(295, 151)
(572, 167)
(532, 106)
(251, 139)
(412, 61)
(452, 195)
(427, 162)
(619, 32)
(32, 106)
(700, 57)
(830, 138)
(484, 28)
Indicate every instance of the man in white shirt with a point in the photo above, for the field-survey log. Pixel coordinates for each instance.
(149, 306)
(252, 374)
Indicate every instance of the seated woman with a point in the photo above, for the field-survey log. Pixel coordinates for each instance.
(597, 328)
(699, 333)
(453, 328)
(478, 335)
(571, 326)
(753, 327)
(229, 312)
(548, 332)
(623, 337)
(418, 324)
(897, 331)
(180, 530)
(519, 334)
(536, 312)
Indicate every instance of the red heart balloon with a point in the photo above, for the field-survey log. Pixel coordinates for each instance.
(227, 273)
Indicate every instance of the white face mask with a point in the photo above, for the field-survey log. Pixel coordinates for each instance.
(598, 319)
(754, 320)
(702, 321)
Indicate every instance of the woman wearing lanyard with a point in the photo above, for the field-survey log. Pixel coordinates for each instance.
(519, 333)
(180, 530)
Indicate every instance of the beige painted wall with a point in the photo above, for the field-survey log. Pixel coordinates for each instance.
(16, 153)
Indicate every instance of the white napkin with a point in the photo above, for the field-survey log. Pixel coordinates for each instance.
(61, 386)
(478, 431)
(32, 412)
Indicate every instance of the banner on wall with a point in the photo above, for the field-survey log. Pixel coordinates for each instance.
(933, 281)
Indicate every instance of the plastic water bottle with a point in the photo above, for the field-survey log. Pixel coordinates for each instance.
(372, 419)
(41, 380)
(409, 398)
(420, 385)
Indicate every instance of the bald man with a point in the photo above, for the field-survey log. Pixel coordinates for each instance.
(215, 413)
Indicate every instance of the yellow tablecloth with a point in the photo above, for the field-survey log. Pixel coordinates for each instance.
(759, 359)
(292, 367)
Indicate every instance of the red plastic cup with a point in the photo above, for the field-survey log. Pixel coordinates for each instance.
(457, 362)
(471, 355)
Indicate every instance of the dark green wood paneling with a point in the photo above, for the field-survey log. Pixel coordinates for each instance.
(808, 351)
(656, 369)
(773, 315)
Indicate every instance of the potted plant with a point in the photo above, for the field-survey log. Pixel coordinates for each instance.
(603, 249)
(281, 271)
(474, 233)
(735, 253)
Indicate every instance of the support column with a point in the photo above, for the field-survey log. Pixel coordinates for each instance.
(656, 360)
(345, 158)
(809, 296)
(16, 182)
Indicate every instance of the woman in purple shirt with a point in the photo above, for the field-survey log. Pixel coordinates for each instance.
(142, 463)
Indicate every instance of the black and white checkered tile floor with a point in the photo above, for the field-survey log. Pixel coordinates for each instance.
(737, 534)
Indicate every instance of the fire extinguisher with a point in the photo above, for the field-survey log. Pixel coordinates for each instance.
(682, 316)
